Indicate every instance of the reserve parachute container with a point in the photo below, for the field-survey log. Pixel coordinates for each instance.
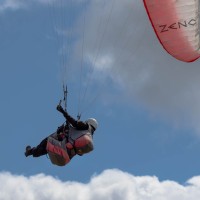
(176, 24)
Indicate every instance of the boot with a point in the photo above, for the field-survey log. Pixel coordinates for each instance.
(28, 151)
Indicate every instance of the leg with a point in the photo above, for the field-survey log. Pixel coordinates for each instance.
(40, 150)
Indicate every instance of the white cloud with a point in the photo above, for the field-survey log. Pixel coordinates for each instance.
(166, 87)
(111, 184)
(20, 4)
(11, 4)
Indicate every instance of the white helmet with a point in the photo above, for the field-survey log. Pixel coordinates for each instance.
(92, 122)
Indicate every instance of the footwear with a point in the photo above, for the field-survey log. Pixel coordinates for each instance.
(28, 151)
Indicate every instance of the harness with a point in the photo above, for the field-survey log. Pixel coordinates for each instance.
(73, 142)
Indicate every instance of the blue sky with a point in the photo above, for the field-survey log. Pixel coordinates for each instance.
(147, 102)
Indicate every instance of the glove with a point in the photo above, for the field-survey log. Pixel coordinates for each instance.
(61, 136)
(60, 129)
(60, 108)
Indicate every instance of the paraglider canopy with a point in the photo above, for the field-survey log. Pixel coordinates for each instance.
(176, 24)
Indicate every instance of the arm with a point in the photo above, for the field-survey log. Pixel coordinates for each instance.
(77, 124)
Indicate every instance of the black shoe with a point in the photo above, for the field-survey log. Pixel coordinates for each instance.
(28, 151)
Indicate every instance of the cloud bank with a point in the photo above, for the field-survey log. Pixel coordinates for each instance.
(111, 184)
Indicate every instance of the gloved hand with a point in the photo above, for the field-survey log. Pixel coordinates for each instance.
(60, 108)
(60, 129)
(61, 136)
